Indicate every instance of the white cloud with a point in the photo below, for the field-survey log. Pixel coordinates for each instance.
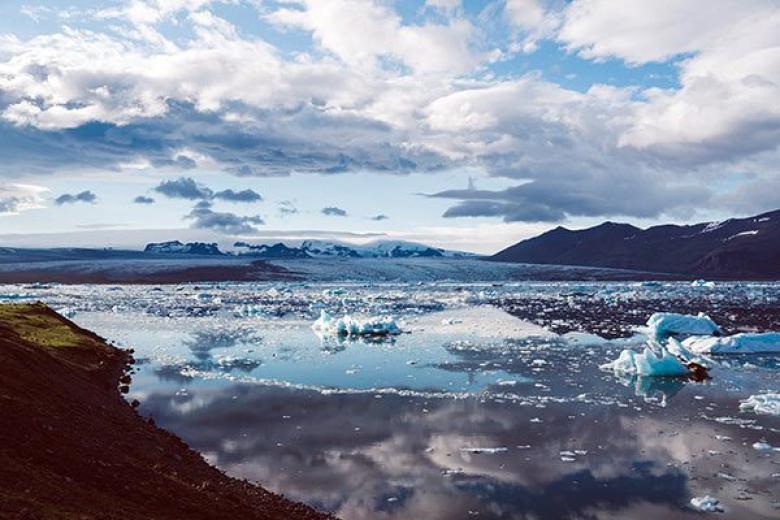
(15, 198)
(363, 32)
(377, 92)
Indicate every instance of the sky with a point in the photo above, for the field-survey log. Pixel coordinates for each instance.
(463, 124)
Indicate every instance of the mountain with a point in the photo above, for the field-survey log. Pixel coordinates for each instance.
(190, 248)
(332, 249)
(734, 248)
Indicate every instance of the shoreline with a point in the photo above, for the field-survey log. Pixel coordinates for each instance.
(72, 447)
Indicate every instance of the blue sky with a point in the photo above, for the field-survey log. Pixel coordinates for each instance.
(468, 124)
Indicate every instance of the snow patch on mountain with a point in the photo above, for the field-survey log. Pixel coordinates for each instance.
(334, 249)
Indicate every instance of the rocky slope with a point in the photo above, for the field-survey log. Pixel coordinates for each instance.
(732, 249)
(71, 447)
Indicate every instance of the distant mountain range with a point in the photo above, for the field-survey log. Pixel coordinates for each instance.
(190, 248)
(309, 249)
(731, 249)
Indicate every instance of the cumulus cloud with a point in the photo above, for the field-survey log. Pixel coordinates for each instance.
(238, 196)
(187, 188)
(332, 211)
(184, 188)
(204, 217)
(142, 199)
(68, 198)
(15, 198)
(376, 92)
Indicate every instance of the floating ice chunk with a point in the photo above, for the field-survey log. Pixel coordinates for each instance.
(489, 451)
(702, 283)
(663, 324)
(647, 363)
(349, 326)
(707, 504)
(743, 343)
(67, 312)
(762, 403)
(764, 446)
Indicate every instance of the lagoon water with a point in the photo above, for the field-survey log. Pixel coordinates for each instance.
(471, 413)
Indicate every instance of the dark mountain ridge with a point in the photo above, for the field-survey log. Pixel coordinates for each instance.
(731, 249)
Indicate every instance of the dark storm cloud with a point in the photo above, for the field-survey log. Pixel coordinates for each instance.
(67, 198)
(332, 211)
(204, 217)
(142, 199)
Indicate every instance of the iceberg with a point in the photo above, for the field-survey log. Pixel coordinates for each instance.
(768, 404)
(664, 324)
(648, 363)
(742, 343)
(349, 326)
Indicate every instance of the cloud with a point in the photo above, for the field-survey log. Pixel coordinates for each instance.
(376, 91)
(67, 198)
(142, 199)
(187, 188)
(238, 196)
(379, 217)
(15, 198)
(184, 188)
(286, 208)
(362, 33)
(204, 217)
(332, 211)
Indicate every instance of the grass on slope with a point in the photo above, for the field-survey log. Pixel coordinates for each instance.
(37, 324)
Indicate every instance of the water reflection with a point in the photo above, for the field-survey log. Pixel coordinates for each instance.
(404, 457)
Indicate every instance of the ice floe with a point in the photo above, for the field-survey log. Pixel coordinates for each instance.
(768, 404)
(664, 324)
(653, 363)
(743, 343)
(350, 326)
(707, 504)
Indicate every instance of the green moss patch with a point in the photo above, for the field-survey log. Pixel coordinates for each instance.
(37, 324)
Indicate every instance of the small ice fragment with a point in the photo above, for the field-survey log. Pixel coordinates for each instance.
(764, 446)
(489, 451)
(707, 504)
(535, 420)
(768, 404)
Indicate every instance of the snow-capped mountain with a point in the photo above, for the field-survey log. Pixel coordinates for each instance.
(190, 248)
(332, 249)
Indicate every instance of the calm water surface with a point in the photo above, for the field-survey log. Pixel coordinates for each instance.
(473, 414)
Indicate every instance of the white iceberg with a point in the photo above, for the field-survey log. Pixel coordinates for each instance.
(743, 343)
(707, 504)
(648, 363)
(663, 324)
(768, 404)
(349, 326)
